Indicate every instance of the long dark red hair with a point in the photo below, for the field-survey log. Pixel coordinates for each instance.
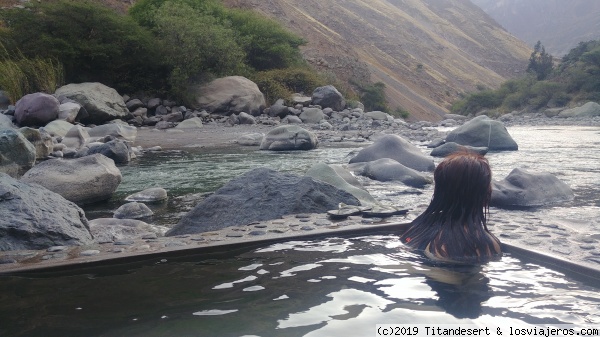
(454, 225)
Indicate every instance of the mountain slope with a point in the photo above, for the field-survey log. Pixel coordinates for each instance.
(427, 52)
(559, 24)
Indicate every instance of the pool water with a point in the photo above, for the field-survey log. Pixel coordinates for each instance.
(324, 287)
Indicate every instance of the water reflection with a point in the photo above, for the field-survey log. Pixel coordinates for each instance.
(328, 287)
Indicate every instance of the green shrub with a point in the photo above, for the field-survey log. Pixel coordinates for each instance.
(373, 97)
(195, 46)
(93, 42)
(281, 83)
(400, 112)
(21, 76)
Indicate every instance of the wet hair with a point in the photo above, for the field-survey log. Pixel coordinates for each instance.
(453, 228)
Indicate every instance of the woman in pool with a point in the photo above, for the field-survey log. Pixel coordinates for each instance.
(453, 227)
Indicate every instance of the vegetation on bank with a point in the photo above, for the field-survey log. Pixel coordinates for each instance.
(575, 79)
(161, 47)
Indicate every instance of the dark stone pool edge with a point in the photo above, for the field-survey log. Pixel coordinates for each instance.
(80, 264)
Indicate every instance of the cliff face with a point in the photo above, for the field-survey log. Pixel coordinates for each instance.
(559, 24)
(425, 51)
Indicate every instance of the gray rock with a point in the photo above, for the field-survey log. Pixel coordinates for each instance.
(312, 115)
(526, 189)
(4, 100)
(387, 169)
(153, 103)
(192, 123)
(278, 109)
(449, 148)
(328, 97)
(58, 128)
(117, 150)
(161, 110)
(84, 180)
(173, 117)
(17, 154)
(120, 131)
(133, 210)
(36, 109)
(252, 139)
(134, 104)
(121, 230)
(40, 139)
(327, 174)
(258, 195)
(77, 137)
(228, 95)
(68, 111)
(101, 102)
(589, 109)
(32, 217)
(290, 119)
(245, 118)
(455, 117)
(289, 137)
(301, 100)
(5, 122)
(154, 194)
(482, 131)
(377, 115)
(397, 148)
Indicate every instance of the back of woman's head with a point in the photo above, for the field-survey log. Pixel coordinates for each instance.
(462, 183)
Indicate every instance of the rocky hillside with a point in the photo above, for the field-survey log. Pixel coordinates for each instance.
(559, 24)
(425, 51)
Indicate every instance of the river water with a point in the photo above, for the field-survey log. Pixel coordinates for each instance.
(336, 286)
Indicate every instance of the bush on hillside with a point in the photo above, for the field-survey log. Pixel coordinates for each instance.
(195, 46)
(576, 79)
(373, 97)
(282, 83)
(93, 42)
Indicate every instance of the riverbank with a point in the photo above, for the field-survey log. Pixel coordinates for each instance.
(533, 233)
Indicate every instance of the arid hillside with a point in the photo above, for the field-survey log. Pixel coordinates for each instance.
(425, 51)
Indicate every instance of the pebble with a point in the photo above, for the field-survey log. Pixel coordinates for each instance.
(90, 252)
(257, 233)
(7, 260)
(260, 226)
(56, 249)
(175, 244)
(278, 230)
(307, 228)
(150, 237)
(302, 216)
(561, 250)
(322, 222)
(124, 243)
(118, 250)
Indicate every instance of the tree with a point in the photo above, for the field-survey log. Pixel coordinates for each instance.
(540, 62)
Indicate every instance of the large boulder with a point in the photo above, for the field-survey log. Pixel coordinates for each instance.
(278, 109)
(258, 195)
(289, 137)
(229, 95)
(526, 189)
(17, 154)
(448, 148)
(36, 109)
(133, 210)
(482, 131)
(84, 180)
(312, 115)
(328, 174)
(32, 217)
(387, 169)
(68, 111)
(76, 137)
(58, 128)
(398, 149)
(589, 109)
(121, 131)
(41, 140)
(328, 97)
(116, 149)
(102, 103)
(189, 124)
(112, 229)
